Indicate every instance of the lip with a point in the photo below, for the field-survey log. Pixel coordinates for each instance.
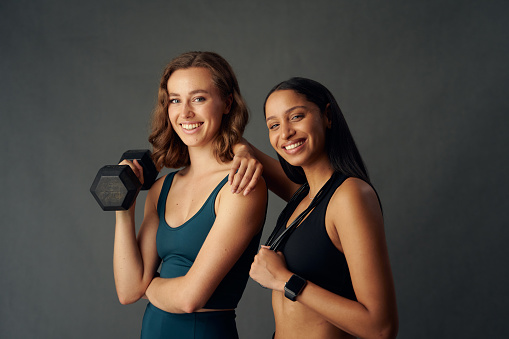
(190, 127)
(295, 146)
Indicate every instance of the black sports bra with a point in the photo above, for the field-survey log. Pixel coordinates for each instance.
(308, 250)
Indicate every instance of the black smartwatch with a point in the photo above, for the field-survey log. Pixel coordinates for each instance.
(294, 286)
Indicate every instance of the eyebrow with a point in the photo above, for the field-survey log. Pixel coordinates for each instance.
(192, 92)
(291, 109)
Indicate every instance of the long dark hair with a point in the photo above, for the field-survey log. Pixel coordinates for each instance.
(339, 144)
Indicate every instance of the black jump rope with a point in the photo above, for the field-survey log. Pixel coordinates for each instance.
(276, 243)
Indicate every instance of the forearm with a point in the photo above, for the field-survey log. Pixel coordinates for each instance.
(127, 259)
(350, 316)
(376, 318)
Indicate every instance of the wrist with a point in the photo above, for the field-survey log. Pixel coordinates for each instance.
(150, 287)
(124, 219)
(283, 279)
(129, 213)
(294, 287)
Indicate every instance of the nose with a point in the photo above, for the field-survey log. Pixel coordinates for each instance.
(186, 111)
(286, 131)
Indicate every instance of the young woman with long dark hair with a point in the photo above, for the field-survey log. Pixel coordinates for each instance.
(327, 260)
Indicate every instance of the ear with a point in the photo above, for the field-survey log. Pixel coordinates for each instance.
(328, 117)
(228, 102)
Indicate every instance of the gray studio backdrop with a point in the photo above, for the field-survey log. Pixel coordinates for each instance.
(423, 85)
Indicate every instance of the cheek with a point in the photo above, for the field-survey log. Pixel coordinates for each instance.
(273, 140)
(171, 117)
(172, 114)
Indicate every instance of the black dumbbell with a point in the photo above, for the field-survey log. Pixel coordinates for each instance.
(116, 186)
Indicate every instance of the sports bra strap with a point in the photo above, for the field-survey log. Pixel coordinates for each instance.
(161, 203)
(163, 196)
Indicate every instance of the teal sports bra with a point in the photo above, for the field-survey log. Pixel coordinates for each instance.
(178, 247)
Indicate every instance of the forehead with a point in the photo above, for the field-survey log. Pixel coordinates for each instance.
(189, 79)
(281, 101)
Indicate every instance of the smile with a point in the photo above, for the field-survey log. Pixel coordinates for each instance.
(190, 127)
(292, 146)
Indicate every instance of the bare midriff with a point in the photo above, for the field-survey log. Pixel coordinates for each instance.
(294, 320)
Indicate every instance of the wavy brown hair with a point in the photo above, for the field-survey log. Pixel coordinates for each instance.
(168, 149)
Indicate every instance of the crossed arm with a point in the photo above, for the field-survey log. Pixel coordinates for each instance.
(239, 218)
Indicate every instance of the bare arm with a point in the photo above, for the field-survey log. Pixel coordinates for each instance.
(239, 219)
(135, 259)
(247, 167)
(357, 219)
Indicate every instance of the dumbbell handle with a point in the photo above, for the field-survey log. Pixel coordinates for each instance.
(149, 168)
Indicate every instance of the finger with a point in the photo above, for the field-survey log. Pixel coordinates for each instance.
(238, 178)
(130, 164)
(251, 169)
(139, 169)
(246, 179)
(135, 167)
(235, 167)
(126, 162)
(254, 181)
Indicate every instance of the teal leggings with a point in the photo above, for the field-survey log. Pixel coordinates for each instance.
(201, 325)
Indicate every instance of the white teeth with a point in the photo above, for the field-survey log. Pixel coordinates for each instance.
(292, 146)
(190, 126)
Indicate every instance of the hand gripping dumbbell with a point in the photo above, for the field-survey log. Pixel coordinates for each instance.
(116, 186)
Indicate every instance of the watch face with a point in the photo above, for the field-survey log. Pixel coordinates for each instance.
(294, 286)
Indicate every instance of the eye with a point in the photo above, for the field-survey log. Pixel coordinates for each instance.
(174, 101)
(297, 116)
(273, 126)
(199, 99)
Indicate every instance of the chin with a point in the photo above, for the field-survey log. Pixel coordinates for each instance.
(292, 161)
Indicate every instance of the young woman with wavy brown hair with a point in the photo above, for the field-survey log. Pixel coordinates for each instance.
(202, 235)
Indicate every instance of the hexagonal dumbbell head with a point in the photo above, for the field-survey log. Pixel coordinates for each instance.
(116, 186)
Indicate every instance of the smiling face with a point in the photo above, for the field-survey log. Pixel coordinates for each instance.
(296, 128)
(195, 106)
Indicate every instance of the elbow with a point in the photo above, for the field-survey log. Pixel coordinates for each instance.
(189, 302)
(127, 298)
(191, 306)
(191, 298)
(387, 331)
(393, 329)
(125, 301)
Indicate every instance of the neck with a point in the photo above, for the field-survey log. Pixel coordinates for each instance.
(202, 161)
(317, 176)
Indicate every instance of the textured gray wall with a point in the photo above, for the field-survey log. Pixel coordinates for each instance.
(423, 85)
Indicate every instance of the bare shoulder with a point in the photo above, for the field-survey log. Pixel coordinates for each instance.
(355, 188)
(236, 210)
(355, 198)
